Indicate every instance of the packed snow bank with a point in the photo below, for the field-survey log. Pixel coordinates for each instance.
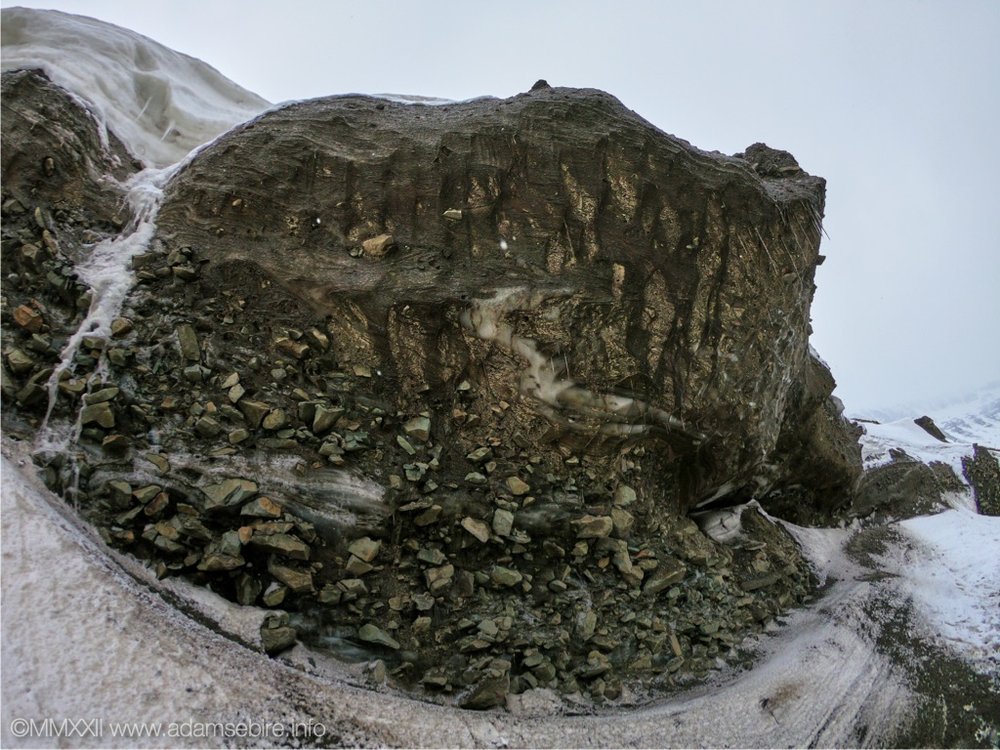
(951, 573)
(160, 103)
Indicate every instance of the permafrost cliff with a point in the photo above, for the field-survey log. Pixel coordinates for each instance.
(467, 367)
(446, 387)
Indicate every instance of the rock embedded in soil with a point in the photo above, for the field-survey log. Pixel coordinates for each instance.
(373, 634)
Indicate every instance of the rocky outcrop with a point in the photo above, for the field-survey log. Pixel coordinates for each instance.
(982, 471)
(905, 487)
(610, 284)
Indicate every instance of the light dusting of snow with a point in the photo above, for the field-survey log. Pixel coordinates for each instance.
(414, 99)
(880, 439)
(160, 103)
(951, 573)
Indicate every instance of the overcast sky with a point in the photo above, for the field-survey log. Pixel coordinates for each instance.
(895, 103)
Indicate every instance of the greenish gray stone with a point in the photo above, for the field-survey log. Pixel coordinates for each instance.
(274, 594)
(100, 414)
(760, 581)
(503, 522)
(624, 495)
(253, 411)
(101, 396)
(431, 556)
(586, 623)
(418, 428)
(276, 635)
(439, 578)
(365, 548)
(146, 493)
(622, 521)
(373, 634)
(214, 560)
(353, 586)
(248, 589)
(229, 493)
(229, 544)
(207, 427)
(187, 339)
(405, 444)
(275, 419)
(489, 693)
(298, 581)
(596, 665)
(192, 528)
(503, 576)
(593, 527)
(669, 572)
(281, 544)
(428, 517)
(479, 455)
(330, 594)
(477, 528)
(324, 419)
(357, 567)
(517, 486)
(262, 507)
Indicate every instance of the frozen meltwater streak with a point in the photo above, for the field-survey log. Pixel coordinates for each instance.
(616, 415)
(107, 271)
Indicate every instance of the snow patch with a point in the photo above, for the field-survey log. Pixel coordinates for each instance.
(950, 571)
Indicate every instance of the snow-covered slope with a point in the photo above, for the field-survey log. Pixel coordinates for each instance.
(161, 103)
(950, 572)
(970, 418)
(973, 419)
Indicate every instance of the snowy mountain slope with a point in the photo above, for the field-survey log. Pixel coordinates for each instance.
(950, 572)
(974, 421)
(971, 418)
(161, 103)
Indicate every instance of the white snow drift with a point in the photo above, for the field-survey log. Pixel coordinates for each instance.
(161, 103)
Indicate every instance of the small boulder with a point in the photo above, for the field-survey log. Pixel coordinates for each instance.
(378, 246)
(365, 548)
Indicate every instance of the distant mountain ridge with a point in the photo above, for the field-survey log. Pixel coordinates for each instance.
(970, 418)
